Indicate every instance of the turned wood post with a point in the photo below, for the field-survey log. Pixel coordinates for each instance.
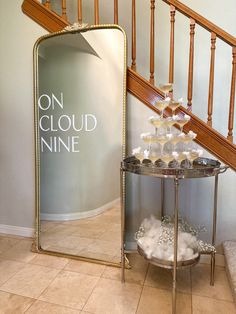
(232, 96)
(172, 44)
(211, 79)
(133, 65)
(96, 12)
(80, 18)
(152, 41)
(115, 11)
(190, 67)
(63, 9)
(48, 4)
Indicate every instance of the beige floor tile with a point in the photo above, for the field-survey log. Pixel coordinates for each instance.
(162, 278)
(111, 296)
(21, 251)
(49, 261)
(100, 246)
(85, 268)
(31, 281)
(95, 255)
(40, 307)
(47, 225)
(159, 301)
(91, 232)
(202, 305)
(8, 269)
(136, 274)
(70, 289)
(13, 304)
(201, 283)
(75, 242)
(6, 243)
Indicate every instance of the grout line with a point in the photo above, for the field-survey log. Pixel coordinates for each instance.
(142, 287)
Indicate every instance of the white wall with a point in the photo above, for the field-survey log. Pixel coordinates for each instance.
(18, 34)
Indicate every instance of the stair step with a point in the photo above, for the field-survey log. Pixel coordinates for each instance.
(230, 258)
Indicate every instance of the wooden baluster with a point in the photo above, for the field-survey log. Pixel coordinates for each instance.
(152, 35)
(48, 4)
(63, 10)
(115, 11)
(172, 44)
(80, 11)
(232, 96)
(211, 79)
(133, 65)
(96, 12)
(190, 68)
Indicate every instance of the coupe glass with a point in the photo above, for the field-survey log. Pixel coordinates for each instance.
(174, 105)
(169, 122)
(158, 122)
(181, 121)
(137, 152)
(162, 104)
(149, 139)
(194, 154)
(166, 88)
(163, 139)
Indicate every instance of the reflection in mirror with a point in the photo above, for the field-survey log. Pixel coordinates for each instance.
(80, 88)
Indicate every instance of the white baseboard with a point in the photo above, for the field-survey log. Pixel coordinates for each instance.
(79, 215)
(16, 230)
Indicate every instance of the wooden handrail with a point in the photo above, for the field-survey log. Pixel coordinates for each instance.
(211, 27)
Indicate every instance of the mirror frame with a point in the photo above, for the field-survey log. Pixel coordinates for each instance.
(75, 28)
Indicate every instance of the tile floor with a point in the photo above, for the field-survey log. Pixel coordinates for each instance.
(37, 283)
(89, 237)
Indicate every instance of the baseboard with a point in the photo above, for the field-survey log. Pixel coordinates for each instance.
(16, 230)
(79, 215)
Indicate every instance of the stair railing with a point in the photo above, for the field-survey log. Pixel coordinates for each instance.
(143, 89)
(194, 18)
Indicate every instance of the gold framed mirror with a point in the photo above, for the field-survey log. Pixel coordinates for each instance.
(80, 101)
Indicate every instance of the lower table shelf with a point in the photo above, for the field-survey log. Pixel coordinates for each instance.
(169, 264)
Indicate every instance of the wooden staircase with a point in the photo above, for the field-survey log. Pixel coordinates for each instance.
(217, 144)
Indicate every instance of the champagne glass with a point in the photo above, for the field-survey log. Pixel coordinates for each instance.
(137, 152)
(149, 139)
(158, 122)
(162, 104)
(174, 105)
(169, 122)
(182, 120)
(194, 154)
(166, 88)
(163, 139)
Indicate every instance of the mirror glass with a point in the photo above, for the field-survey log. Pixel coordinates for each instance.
(80, 79)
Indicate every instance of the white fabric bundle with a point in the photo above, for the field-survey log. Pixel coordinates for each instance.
(154, 244)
